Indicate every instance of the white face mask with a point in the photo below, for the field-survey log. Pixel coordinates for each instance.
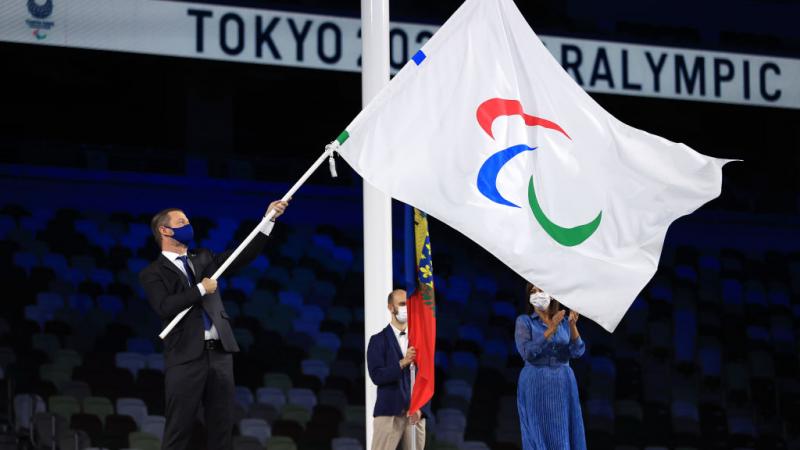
(540, 300)
(402, 314)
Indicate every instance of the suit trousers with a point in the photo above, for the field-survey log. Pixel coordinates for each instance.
(208, 382)
(388, 431)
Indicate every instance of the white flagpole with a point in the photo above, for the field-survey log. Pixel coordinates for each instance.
(377, 205)
(413, 427)
(329, 149)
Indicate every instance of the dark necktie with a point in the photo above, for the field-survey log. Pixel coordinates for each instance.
(190, 275)
(405, 381)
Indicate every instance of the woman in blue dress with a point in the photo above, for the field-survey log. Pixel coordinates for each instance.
(547, 394)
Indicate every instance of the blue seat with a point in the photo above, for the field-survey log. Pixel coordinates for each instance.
(329, 340)
(782, 333)
(340, 314)
(440, 283)
(256, 309)
(600, 411)
(87, 227)
(290, 298)
(343, 255)
(7, 225)
(263, 296)
(232, 308)
(755, 295)
(57, 263)
(458, 388)
(441, 360)
(309, 328)
(84, 263)
(33, 223)
(779, 297)
(685, 331)
(323, 293)
(134, 362)
(36, 314)
(271, 396)
(464, 359)
(140, 345)
(49, 302)
(155, 361)
(304, 276)
(602, 368)
(110, 304)
(757, 333)
(710, 262)
(103, 240)
(136, 265)
(103, 277)
(686, 272)
(243, 283)
(504, 309)
(311, 313)
(459, 289)
(77, 276)
(486, 284)
(261, 263)
(244, 337)
(661, 291)
(740, 423)
(132, 242)
(470, 333)
(292, 250)
(25, 260)
(81, 303)
(316, 368)
(685, 415)
(732, 292)
(496, 347)
(323, 241)
(710, 361)
(244, 397)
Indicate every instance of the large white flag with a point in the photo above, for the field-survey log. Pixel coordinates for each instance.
(485, 131)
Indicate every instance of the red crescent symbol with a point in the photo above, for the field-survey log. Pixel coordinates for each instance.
(496, 107)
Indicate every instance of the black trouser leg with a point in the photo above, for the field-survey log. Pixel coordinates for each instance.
(184, 388)
(218, 400)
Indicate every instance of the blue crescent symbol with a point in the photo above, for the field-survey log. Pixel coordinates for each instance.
(487, 175)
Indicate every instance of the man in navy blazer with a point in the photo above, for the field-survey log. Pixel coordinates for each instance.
(389, 361)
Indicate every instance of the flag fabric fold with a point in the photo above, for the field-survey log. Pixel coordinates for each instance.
(422, 316)
(485, 131)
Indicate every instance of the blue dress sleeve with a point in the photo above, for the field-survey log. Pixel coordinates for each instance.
(529, 345)
(576, 348)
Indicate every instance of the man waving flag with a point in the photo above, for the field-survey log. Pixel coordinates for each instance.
(502, 145)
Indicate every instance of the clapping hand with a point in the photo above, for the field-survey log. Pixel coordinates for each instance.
(551, 322)
(573, 318)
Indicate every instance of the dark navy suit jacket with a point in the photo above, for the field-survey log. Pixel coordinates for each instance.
(383, 363)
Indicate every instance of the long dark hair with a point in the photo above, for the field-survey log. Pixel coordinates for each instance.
(529, 309)
(529, 287)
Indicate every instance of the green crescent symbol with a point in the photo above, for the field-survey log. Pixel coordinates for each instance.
(568, 237)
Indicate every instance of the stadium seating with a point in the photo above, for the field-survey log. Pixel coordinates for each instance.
(88, 364)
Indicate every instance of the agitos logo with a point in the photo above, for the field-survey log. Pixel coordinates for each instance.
(487, 112)
(40, 11)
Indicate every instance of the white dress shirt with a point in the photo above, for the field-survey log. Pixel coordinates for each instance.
(173, 257)
(402, 340)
